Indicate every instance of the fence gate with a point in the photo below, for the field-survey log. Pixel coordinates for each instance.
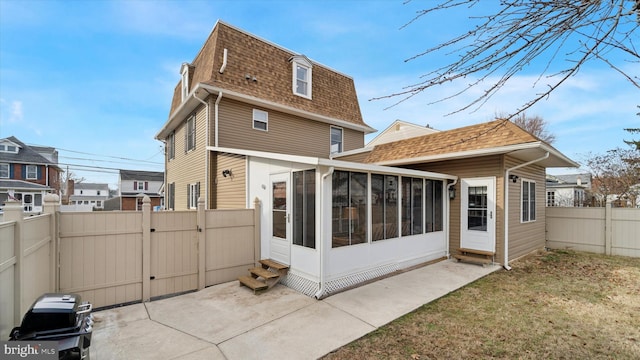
(174, 253)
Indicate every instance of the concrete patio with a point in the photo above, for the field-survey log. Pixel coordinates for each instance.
(229, 322)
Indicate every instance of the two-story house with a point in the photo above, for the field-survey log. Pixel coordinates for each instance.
(27, 173)
(87, 194)
(252, 120)
(133, 185)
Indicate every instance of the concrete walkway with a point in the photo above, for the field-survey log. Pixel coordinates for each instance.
(228, 322)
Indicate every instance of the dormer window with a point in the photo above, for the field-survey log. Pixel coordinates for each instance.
(184, 71)
(302, 76)
(8, 148)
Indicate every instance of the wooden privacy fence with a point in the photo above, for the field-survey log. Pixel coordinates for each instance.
(111, 258)
(609, 230)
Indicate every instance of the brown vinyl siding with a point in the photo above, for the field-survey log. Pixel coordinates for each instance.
(188, 167)
(472, 168)
(285, 133)
(230, 191)
(359, 157)
(525, 237)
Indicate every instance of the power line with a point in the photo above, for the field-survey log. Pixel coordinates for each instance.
(106, 156)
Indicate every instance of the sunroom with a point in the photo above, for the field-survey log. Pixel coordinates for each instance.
(337, 224)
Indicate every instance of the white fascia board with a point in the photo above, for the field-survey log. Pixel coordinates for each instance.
(346, 165)
(482, 152)
(178, 116)
(286, 109)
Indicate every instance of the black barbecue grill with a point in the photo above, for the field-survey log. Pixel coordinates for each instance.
(62, 318)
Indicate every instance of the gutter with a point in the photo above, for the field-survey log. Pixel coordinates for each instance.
(506, 206)
(448, 224)
(321, 290)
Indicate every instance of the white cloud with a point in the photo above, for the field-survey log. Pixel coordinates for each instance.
(11, 111)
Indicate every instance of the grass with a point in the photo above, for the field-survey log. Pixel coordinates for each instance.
(551, 305)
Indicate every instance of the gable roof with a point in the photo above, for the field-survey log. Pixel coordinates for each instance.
(25, 155)
(400, 130)
(141, 175)
(490, 138)
(250, 57)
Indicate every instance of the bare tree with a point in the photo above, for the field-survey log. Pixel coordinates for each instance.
(535, 125)
(616, 172)
(521, 31)
(633, 143)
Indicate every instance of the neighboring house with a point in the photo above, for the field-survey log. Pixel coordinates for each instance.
(89, 194)
(400, 130)
(27, 173)
(251, 120)
(569, 190)
(133, 185)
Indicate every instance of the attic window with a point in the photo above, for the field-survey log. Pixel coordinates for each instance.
(9, 149)
(302, 75)
(185, 81)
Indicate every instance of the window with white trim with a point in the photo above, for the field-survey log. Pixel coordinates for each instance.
(336, 140)
(190, 134)
(32, 172)
(528, 198)
(9, 149)
(171, 145)
(302, 75)
(193, 192)
(4, 171)
(260, 120)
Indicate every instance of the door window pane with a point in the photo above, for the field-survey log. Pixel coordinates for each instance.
(477, 208)
(279, 206)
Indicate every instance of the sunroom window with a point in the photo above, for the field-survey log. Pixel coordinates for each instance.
(349, 208)
(384, 207)
(412, 207)
(304, 203)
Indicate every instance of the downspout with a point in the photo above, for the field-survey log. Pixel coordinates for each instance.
(215, 118)
(321, 290)
(506, 206)
(448, 225)
(206, 165)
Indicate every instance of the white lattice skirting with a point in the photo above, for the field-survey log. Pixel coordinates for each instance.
(310, 288)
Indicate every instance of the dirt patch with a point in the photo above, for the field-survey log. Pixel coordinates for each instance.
(551, 305)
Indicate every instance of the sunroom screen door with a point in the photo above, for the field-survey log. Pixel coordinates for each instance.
(280, 245)
(478, 214)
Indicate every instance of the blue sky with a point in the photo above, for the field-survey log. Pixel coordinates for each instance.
(95, 78)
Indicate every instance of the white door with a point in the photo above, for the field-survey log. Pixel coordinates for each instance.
(280, 246)
(478, 214)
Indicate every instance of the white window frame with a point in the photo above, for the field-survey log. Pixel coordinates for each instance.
(2, 171)
(8, 148)
(190, 138)
(32, 172)
(193, 196)
(301, 61)
(531, 205)
(140, 185)
(341, 144)
(260, 117)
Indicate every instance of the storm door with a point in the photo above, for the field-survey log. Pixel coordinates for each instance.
(478, 214)
(280, 245)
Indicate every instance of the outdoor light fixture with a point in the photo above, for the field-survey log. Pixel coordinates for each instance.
(226, 172)
(513, 178)
(452, 193)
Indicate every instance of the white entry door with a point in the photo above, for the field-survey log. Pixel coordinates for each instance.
(280, 246)
(478, 214)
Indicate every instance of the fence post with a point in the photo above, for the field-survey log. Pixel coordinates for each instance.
(146, 248)
(51, 207)
(13, 212)
(202, 242)
(257, 212)
(607, 228)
